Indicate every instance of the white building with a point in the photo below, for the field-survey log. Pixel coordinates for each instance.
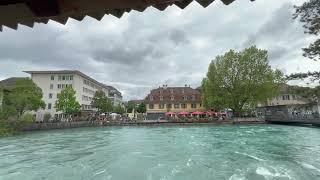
(114, 95)
(52, 82)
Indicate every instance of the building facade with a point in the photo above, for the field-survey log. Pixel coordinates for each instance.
(52, 82)
(114, 95)
(285, 98)
(172, 99)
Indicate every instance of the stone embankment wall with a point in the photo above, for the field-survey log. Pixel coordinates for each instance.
(66, 125)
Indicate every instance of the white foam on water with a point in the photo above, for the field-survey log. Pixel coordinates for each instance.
(309, 166)
(266, 173)
(251, 156)
(237, 177)
(100, 172)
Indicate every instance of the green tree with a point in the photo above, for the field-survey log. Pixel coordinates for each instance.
(239, 80)
(131, 106)
(141, 108)
(101, 102)
(119, 109)
(309, 14)
(67, 102)
(24, 96)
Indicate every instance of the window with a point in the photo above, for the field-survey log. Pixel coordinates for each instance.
(172, 98)
(176, 106)
(151, 98)
(285, 97)
(293, 97)
(63, 78)
(51, 86)
(182, 90)
(161, 106)
(151, 106)
(169, 106)
(161, 91)
(185, 98)
(59, 86)
(193, 97)
(161, 98)
(50, 96)
(63, 86)
(193, 105)
(183, 106)
(59, 78)
(52, 78)
(49, 105)
(171, 91)
(71, 77)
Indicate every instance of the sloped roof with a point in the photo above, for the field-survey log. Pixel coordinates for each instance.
(178, 94)
(29, 12)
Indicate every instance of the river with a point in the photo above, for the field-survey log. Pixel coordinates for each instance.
(253, 152)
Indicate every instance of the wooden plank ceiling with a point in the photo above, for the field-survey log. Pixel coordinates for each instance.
(29, 12)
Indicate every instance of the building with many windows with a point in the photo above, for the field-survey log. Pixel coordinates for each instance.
(114, 95)
(172, 99)
(52, 82)
(285, 97)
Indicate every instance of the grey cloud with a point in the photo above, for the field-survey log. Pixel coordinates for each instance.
(276, 26)
(141, 51)
(178, 36)
(277, 52)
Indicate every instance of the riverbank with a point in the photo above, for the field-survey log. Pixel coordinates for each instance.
(79, 124)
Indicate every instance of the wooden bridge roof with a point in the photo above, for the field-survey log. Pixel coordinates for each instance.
(29, 12)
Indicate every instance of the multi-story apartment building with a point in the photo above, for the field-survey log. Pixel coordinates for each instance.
(285, 98)
(172, 99)
(114, 95)
(52, 82)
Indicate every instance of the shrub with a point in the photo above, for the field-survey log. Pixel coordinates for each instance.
(27, 118)
(46, 117)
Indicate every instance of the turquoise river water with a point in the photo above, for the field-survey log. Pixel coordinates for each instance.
(253, 152)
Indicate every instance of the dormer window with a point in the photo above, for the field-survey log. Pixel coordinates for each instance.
(171, 98)
(161, 98)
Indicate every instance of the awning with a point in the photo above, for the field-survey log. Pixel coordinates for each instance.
(184, 113)
(169, 113)
(198, 113)
(29, 12)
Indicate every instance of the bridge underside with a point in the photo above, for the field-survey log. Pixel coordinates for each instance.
(28, 12)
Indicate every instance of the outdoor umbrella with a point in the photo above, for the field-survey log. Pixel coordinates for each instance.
(197, 113)
(184, 113)
(169, 113)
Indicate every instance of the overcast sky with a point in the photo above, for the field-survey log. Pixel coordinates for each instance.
(142, 51)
